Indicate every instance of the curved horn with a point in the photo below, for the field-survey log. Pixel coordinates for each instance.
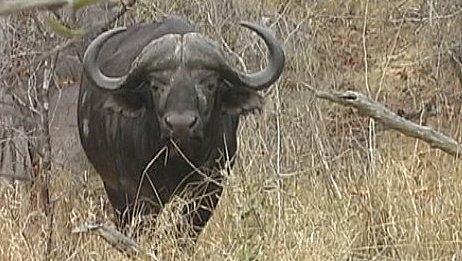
(273, 70)
(91, 67)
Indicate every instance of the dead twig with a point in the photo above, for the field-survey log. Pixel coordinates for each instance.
(18, 6)
(373, 109)
(114, 237)
(88, 33)
(46, 148)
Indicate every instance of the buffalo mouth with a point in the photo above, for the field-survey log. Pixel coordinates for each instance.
(183, 146)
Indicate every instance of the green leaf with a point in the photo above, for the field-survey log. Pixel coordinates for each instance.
(77, 4)
(63, 30)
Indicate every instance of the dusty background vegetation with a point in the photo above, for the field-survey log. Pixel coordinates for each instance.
(313, 181)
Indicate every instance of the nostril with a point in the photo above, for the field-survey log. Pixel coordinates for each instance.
(181, 122)
(193, 122)
(168, 122)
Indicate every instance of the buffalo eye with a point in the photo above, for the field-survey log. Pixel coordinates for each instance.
(157, 85)
(209, 83)
(158, 80)
(210, 86)
(154, 87)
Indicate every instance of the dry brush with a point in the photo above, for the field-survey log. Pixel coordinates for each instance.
(313, 181)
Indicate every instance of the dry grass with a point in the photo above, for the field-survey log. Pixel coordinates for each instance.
(313, 181)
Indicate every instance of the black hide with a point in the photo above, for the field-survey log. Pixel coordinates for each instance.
(121, 143)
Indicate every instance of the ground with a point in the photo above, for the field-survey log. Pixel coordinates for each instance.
(313, 180)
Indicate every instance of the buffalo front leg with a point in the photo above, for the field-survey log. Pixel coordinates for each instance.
(127, 210)
(119, 203)
(202, 197)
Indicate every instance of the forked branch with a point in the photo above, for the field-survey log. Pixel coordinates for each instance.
(11, 7)
(118, 240)
(377, 111)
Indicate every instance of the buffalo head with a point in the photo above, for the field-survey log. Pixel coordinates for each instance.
(186, 81)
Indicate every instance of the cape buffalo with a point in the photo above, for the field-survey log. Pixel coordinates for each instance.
(158, 111)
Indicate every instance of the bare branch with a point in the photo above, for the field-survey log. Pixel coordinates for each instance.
(375, 110)
(118, 240)
(87, 32)
(17, 6)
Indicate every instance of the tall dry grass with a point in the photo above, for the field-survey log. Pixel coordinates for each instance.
(313, 181)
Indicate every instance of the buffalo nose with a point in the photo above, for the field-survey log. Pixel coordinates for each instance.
(181, 123)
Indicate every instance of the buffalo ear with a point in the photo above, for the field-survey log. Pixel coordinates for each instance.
(129, 104)
(239, 101)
